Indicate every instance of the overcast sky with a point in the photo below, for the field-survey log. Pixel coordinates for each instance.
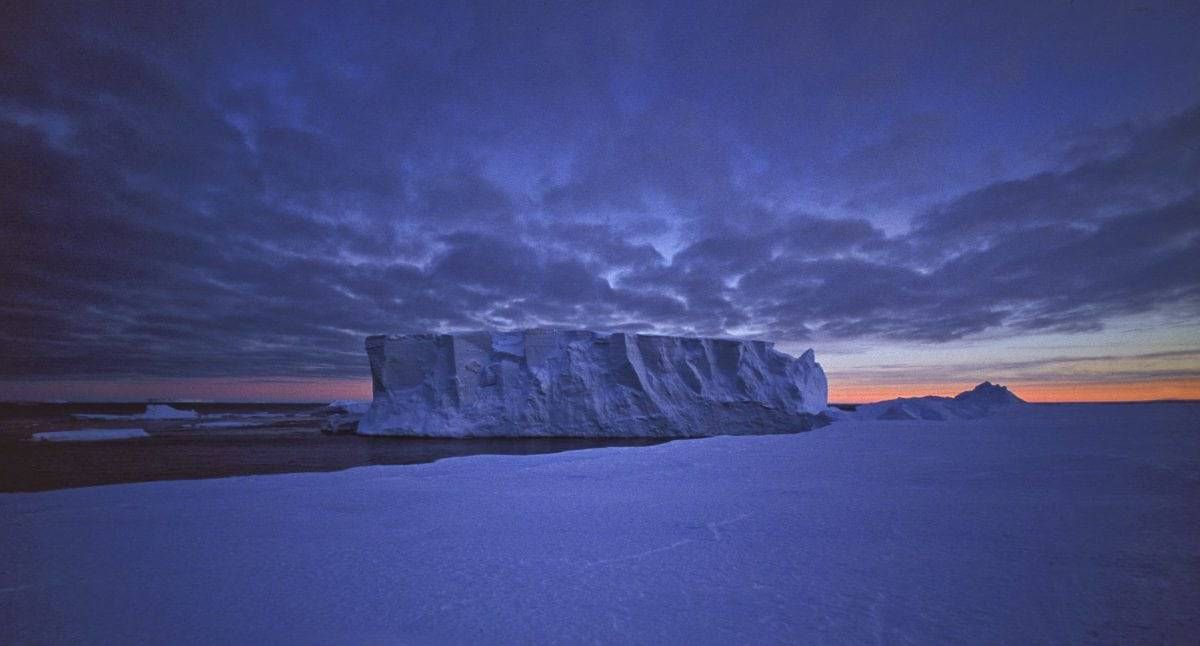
(928, 194)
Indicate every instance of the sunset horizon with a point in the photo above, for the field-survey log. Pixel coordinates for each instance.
(841, 391)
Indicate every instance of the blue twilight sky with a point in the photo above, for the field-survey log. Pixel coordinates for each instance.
(927, 193)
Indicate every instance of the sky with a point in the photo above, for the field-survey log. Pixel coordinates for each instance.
(221, 200)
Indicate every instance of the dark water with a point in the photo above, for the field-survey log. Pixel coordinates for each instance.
(177, 450)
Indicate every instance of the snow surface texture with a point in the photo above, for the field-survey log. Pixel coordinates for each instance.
(985, 399)
(91, 435)
(153, 412)
(580, 383)
(1041, 524)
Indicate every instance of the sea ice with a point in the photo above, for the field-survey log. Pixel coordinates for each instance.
(153, 412)
(342, 416)
(346, 406)
(90, 435)
(163, 411)
(1046, 524)
(246, 423)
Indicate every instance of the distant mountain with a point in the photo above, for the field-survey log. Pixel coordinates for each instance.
(989, 394)
(981, 401)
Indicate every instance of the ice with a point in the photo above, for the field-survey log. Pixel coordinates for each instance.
(836, 413)
(988, 394)
(342, 416)
(153, 412)
(163, 411)
(347, 406)
(341, 424)
(1047, 524)
(90, 435)
(247, 423)
(985, 399)
(580, 383)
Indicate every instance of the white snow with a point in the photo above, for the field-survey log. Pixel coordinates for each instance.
(580, 383)
(90, 435)
(1038, 524)
(153, 412)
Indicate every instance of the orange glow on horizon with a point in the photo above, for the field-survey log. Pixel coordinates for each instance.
(1048, 392)
(267, 389)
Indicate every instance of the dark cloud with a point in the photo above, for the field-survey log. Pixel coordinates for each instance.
(1159, 166)
(226, 191)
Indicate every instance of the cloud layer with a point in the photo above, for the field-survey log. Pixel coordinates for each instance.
(247, 193)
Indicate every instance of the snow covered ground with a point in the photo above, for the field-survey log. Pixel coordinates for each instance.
(1040, 524)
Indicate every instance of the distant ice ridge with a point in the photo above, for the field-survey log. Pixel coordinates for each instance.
(225, 424)
(342, 415)
(163, 411)
(580, 383)
(985, 399)
(346, 407)
(153, 411)
(91, 435)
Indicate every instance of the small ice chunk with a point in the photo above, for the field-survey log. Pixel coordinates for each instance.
(163, 411)
(350, 406)
(153, 411)
(91, 435)
(225, 424)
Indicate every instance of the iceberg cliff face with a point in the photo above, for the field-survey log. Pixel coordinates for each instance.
(580, 383)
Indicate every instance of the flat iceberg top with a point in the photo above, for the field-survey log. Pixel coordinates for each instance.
(545, 382)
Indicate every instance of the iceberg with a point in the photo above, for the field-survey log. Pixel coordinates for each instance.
(983, 400)
(163, 411)
(578, 383)
(153, 412)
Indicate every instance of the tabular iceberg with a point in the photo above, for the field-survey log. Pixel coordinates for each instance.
(579, 383)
